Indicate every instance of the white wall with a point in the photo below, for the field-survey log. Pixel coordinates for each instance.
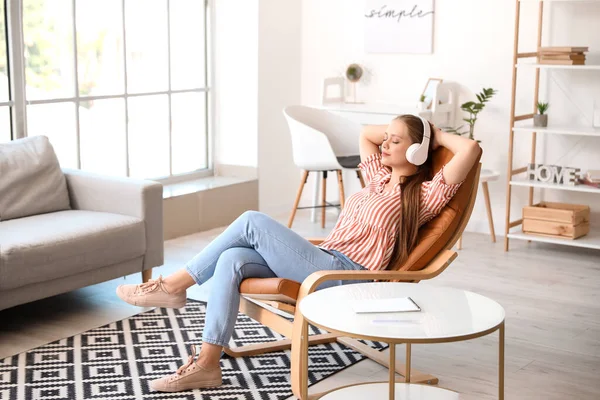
(236, 82)
(279, 71)
(257, 73)
(473, 44)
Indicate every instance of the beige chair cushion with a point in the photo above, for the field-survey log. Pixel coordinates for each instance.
(31, 181)
(55, 245)
(278, 289)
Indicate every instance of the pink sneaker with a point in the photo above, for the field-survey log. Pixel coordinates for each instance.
(151, 294)
(189, 376)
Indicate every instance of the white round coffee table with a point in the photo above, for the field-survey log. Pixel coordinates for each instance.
(447, 315)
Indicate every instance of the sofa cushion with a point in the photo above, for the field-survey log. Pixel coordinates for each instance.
(54, 245)
(31, 181)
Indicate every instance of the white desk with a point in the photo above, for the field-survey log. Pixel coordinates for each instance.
(444, 106)
(374, 113)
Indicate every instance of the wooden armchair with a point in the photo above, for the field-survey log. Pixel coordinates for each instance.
(431, 256)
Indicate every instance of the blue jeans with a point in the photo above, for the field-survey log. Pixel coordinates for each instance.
(255, 246)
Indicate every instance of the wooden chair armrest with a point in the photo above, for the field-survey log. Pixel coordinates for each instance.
(316, 241)
(433, 269)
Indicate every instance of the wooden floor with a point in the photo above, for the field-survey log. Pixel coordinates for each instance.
(551, 295)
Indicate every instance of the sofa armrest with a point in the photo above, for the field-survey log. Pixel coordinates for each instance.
(138, 198)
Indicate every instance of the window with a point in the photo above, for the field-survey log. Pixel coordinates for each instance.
(118, 86)
(5, 104)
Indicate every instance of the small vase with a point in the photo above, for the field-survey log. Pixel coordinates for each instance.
(540, 120)
(421, 106)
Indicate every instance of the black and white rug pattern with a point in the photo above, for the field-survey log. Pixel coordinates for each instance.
(116, 361)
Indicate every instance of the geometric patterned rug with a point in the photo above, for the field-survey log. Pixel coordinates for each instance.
(116, 361)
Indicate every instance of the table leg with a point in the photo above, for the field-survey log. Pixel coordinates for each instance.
(313, 212)
(392, 371)
(408, 358)
(501, 364)
(341, 187)
(323, 198)
(488, 207)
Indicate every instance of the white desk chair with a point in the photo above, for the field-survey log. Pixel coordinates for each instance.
(486, 175)
(322, 142)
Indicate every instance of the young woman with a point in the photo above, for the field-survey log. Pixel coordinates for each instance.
(377, 227)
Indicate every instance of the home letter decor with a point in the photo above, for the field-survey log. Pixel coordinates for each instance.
(552, 174)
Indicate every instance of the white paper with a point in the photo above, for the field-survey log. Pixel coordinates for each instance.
(398, 304)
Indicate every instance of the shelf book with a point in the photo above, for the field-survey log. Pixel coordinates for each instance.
(562, 55)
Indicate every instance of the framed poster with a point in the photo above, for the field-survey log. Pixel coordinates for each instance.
(399, 26)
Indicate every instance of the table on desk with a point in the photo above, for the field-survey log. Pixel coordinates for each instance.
(447, 315)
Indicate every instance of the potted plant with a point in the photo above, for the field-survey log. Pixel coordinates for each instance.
(541, 119)
(422, 105)
(354, 72)
(473, 108)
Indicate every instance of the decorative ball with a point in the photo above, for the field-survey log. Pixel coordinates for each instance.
(354, 72)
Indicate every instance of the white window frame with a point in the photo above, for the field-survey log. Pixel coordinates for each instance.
(18, 102)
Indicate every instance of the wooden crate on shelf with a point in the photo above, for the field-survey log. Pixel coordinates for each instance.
(560, 220)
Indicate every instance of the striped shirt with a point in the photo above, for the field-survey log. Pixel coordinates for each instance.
(367, 228)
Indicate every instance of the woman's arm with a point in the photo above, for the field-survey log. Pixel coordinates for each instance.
(371, 138)
(465, 153)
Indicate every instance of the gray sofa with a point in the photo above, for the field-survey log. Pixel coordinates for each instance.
(110, 227)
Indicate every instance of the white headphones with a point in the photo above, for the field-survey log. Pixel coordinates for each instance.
(417, 152)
